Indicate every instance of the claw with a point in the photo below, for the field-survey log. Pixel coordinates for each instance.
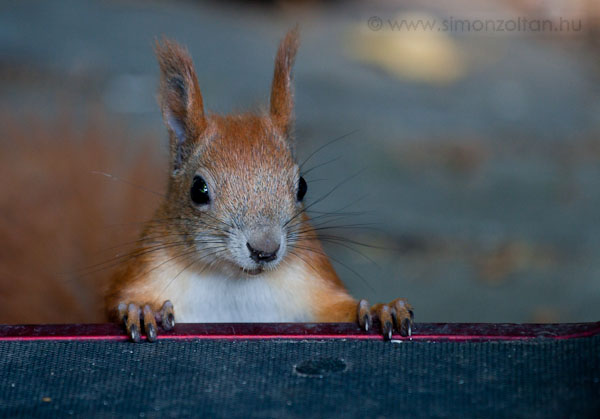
(385, 317)
(397, 315)
(134, 333)
(138, 321)
(364, 316)
(132, 322)
(170, 322)
(168, 315)
(403, 316)
(406, 328)
(149, 324)
(387, 330)
(151, 333)
(367, 322)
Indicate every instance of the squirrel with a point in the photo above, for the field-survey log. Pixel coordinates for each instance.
(231, 241)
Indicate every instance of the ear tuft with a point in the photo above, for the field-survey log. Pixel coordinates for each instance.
(282, 98)
(180, 98)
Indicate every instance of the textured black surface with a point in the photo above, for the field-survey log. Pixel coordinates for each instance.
(218, 378)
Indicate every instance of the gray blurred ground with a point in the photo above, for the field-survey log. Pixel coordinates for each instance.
(484, 190)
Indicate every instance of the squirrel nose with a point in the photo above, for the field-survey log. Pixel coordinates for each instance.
(263, 246)
(261, 255)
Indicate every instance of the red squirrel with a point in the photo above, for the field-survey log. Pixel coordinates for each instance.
(231, 241)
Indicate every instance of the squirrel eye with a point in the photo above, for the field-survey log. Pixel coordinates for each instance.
(199, 191)
(302, 187)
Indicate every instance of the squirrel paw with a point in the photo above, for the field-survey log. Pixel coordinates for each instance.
(133, 316)
(398, 314)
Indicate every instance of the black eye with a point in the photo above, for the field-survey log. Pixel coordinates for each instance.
(302, 187)
(199, 191)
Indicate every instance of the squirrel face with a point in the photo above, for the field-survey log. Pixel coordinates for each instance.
(235, 187)
(238, 193)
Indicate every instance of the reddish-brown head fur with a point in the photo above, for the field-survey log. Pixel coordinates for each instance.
(245, 161)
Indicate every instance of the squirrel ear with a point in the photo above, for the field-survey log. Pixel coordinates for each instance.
(282, 101)
(180, 99)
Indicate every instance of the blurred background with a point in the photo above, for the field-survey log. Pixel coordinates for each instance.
(469, 163)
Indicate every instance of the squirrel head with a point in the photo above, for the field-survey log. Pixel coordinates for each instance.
(235, 190)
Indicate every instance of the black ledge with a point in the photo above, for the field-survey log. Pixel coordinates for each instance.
(303, 331)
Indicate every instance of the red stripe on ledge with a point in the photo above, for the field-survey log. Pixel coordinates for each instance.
(306, 331)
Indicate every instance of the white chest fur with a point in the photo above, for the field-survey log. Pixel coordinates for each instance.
(279, 296)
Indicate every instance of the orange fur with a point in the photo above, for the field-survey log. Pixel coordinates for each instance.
(57, 219)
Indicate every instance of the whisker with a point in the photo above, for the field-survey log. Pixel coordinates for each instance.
(347, 246)
(327, 144)
(320, 252)
(307, 263)
(304, 209)
(151, 239)
(117, 260)
(218, 220)
(305, 172)
(113, 177)
(194, 261)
